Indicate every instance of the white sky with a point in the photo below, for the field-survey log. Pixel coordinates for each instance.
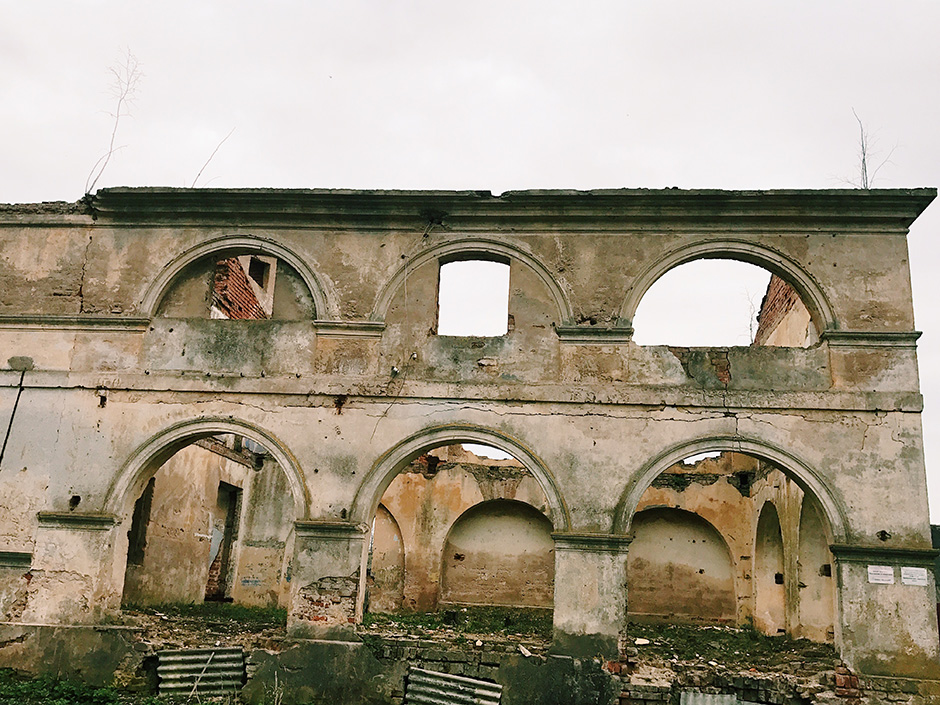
(484, 95)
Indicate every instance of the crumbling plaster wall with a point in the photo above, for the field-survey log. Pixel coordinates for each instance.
(596, 414)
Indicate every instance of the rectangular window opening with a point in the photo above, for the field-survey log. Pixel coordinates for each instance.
(259, 271)
(473, 299)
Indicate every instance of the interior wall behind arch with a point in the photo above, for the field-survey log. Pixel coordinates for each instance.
(199, 500)
(816, 576)
(429, 496)
(679, 568)
(172, 564)
(499, 553)
(387, 568)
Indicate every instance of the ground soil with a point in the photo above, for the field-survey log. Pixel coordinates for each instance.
(652, 652)
(658, 645)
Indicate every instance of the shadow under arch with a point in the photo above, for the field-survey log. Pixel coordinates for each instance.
(812, 295)
(147, 458)
(158, 288)
(802, 473)
(391, 463)
(469, 248)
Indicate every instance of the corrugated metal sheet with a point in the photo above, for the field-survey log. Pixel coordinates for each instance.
(445, 689)
(692, 698)
(201, 671)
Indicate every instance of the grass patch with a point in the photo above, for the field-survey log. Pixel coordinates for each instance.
(48, 691)
(217, 612)
(524, 621)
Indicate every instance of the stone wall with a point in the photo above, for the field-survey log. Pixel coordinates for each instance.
(102, 381)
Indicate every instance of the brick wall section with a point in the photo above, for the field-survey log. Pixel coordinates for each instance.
(232, 293)
(778, 300)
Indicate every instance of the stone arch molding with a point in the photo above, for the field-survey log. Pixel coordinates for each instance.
(809, 479)
(325, 307)
(783, 266)
(388, 466)
(149, 456)
(470, 247)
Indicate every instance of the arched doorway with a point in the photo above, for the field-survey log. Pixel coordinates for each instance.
(462, 510)
(769, 592)
(759, 504)
(208, 510)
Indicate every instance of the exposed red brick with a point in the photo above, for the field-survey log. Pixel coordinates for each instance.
(232, 293)
(777, 302)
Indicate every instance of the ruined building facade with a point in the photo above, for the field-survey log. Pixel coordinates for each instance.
(242, 394)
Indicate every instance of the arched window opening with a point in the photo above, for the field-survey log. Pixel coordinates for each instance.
(769, 584)
(454, 511)
(213, 524)
(473, 298)
(723, 303)
(731, 499)
(238, 286)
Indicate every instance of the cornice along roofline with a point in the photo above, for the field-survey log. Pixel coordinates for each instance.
(885, 209)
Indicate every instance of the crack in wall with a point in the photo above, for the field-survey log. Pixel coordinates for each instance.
(81, 281)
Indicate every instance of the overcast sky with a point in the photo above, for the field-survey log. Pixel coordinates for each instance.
(485, 95)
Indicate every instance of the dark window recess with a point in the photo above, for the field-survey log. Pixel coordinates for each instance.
(137, 536)
(826, 570)
(259, 270)
(778, 578)
(218, 584)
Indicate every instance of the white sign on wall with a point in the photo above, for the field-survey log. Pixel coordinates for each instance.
(914, 576)
(881, 574)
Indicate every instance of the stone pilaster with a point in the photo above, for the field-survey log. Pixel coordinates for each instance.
(888, 610)
(590, 593)
(325, 580)
(71, 569)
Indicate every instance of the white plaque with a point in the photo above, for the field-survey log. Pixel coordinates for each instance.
(914, 576)
(881, 574)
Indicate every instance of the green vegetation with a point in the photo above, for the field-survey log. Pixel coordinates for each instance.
(20, 690)
(522, 621)
(48, 691)
(217, 612)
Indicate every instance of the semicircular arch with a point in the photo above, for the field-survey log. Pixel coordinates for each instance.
(809, 480)
(391, 463)
(468, 248)
(811, 293)
(148, 457)
(158, 288)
